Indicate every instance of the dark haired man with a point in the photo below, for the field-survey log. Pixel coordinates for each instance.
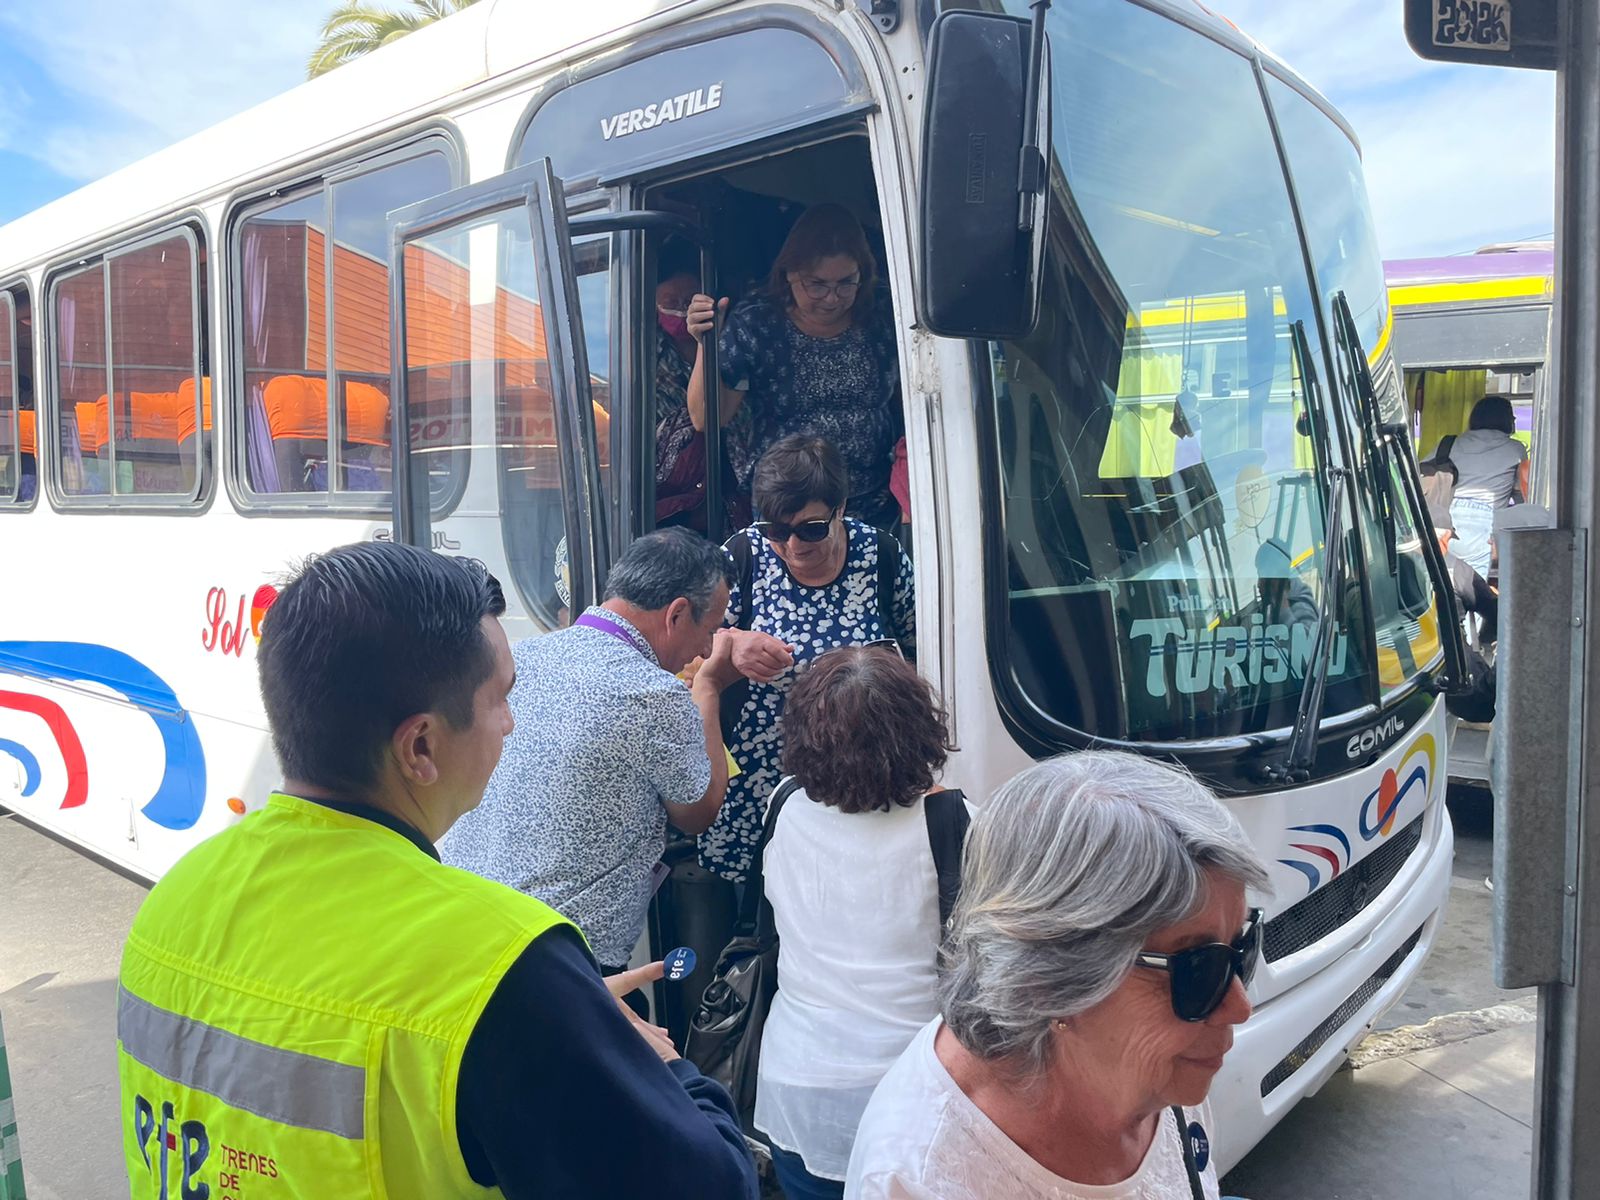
(312, 998)
(610, 745)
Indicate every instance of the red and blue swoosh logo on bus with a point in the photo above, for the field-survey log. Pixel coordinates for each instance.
(180, 795)
(1327, 848)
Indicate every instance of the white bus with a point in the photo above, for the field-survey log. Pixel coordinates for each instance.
(1203, 548)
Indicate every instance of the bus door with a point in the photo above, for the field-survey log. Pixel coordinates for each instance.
(489, 361)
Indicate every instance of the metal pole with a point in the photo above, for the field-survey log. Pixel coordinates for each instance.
(1566, 1141)
(11, 1186)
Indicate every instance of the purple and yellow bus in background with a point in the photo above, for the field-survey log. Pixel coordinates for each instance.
(1465, 327)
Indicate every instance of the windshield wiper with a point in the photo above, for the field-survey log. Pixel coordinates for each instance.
(1388, 439)
(1376, 435)
(1308, 718)
(1303, 744)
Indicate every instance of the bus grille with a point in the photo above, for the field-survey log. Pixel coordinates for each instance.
(1301, 1054)
(1329, 907)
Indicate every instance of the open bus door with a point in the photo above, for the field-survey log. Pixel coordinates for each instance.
(482, 286)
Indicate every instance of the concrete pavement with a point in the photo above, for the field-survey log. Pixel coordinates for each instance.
(63, 919)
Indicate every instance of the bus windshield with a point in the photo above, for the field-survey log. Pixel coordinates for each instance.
(1163, 448)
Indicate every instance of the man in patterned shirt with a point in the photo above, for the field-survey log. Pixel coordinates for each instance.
(610, 745)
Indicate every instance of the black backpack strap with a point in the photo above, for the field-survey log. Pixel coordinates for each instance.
(947, 818)
(744, 565)
(755, 914)
(731, 703)
(888, 576)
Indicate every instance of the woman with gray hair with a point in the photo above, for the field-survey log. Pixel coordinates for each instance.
(1094, 969)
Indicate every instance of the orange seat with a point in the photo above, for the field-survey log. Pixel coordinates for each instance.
(25, 429)
(93, 425)
(186, 408)
(141, 416)
(297, 407)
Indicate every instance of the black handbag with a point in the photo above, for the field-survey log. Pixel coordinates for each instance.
(725, 1032)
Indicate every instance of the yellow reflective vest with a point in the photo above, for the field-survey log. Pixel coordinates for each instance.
(296, 994)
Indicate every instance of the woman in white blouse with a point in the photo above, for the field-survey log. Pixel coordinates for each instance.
(850, 875)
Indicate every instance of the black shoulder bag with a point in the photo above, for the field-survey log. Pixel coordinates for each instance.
(725, 1032)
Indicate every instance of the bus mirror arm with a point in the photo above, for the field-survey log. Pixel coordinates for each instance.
(1032, 170)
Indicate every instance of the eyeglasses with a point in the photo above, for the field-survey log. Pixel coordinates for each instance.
(821, 289)
(1202, 975)
(892, 645)
(807, 531)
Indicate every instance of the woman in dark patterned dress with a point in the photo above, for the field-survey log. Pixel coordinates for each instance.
(813, 352)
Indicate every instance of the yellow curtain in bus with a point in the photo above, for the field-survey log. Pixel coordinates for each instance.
(1446, 399)
(1140, 442)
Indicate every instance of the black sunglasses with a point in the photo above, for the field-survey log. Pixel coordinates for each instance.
(806, 531)
(1202, 975)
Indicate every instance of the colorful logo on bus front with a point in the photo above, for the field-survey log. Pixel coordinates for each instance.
(1328, 849)
(178, 798)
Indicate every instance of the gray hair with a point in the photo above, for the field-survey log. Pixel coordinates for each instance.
(1068, 871)
(662, 566)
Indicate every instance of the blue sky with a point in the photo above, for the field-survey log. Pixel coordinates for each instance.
(1456, 156)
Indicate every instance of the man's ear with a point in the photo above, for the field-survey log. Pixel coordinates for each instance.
(679, 612)
(413, 748)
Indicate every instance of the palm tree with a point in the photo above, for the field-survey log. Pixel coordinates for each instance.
(358, 27)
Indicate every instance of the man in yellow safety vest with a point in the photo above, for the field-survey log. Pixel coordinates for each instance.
(312, 1005)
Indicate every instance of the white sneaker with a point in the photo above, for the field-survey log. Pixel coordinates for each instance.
(1488, 882)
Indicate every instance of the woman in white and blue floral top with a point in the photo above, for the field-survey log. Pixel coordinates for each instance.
(814, 579)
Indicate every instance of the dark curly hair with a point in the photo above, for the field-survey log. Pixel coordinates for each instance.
(863, 732)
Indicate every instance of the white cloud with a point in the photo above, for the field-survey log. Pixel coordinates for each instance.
(1456, 156)
(132, 80)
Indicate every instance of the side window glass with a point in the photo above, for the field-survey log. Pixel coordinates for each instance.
(591, 262)
(157, 410)
(19, 472)
(80, 367)
(316, 423)
(134, 419)
(532, 512)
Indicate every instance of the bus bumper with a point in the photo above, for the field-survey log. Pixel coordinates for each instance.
(1354, 991)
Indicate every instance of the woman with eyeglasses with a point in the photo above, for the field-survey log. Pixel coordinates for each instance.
(807, 579)
(1089, 984)
(813, 352)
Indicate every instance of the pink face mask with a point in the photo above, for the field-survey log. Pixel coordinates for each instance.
(674, 324)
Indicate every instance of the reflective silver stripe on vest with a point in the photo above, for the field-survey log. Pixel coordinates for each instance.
(284, 1086)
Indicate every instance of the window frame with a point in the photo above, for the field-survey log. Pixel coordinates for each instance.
(190, 225)
(318, 177)
(10, 287)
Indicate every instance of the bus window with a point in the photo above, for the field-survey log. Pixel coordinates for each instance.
(1161, 472)
(1326, 170)
(134, 421)
(315, 426)
(19, 472)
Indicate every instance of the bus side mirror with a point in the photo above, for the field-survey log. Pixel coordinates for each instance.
(980, 271)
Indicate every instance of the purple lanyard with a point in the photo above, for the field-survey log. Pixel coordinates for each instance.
(589, 621)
